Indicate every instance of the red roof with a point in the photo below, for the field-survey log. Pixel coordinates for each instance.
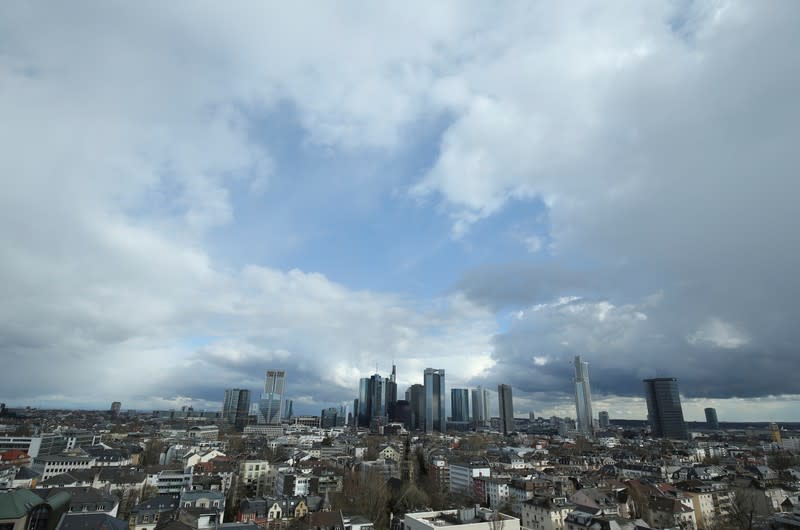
(13, 454)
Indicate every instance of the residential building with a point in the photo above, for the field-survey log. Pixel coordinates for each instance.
(145, 515)
(546, 512)
(294, 483)
(459, 404)
(435, 415)
(84, 521)
(258, 477)
(583, 397)
(211, 500)
(506, 403)
(464, 472)
(664, 411)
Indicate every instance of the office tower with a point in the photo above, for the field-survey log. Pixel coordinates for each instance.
(711, 419)
(377, 388)
(115, 408)
(435, 415)
(664, 410)
(583, 397)
(603, 419)
(480, 407)
(391, 394)
(288, 409)
(459, 404)
(364, 400)
(329, 418)
(402, 413)
(506, 409)
(415, 395)
(270, 406)
(354, 416)
(531, 416)
(235, 407)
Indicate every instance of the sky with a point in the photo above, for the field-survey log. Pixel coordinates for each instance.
(194, 193)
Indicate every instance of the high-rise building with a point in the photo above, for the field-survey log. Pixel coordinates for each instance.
(664, 411)
(603, 420)
(329, 418)
(459, 404)
(364, 402)
(270, 406)
(435, 415)
(415, 395)
(288, 409)
(711, 419)
(583, 397)
(506, 408)
(480, 407)
(391, 394)
(531, 416)
(235, 407)
(115, 408)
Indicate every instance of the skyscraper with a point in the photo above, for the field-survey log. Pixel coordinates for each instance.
(270, 406)
(415, 395)
(603, 420)
(480, 407)
(583, 397)
(236, 406)
(711, 419)
(664, 410)
(391, 394)
(435, 415)
(459, 404)
(115, 408)
(364, 402)
(506, 408)
(288, 409)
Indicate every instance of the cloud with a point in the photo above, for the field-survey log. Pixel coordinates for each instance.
(659, 138)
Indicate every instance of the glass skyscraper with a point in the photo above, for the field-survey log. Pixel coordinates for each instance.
(415, 395)
(664, 411)
(459, 404)
(711, 419)
(236, 407)
(435, 415)
(506, 403)
(583, 397)
(270, 406)
(480, 407)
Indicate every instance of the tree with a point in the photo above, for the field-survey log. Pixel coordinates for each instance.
(151, 455)
(743, 510)
(365, 494)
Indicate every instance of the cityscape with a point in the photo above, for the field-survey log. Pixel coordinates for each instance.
(355, 265)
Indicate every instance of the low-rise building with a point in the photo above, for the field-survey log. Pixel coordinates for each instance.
(471, 518)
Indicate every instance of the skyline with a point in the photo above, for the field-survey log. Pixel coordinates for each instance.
(195, 194)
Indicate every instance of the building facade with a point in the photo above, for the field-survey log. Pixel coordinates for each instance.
(459, 404)
(435, 415)
(664, 411)
(236, 407)
(711, 419)
(270, 406)
(506, 403)
(480, 407)
(583, 397)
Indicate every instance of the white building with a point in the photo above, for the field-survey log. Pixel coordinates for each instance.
(50, 466)
(463, 519)
(463, 473)
(258, 476)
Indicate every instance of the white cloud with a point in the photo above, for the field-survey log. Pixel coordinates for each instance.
(718, 333)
